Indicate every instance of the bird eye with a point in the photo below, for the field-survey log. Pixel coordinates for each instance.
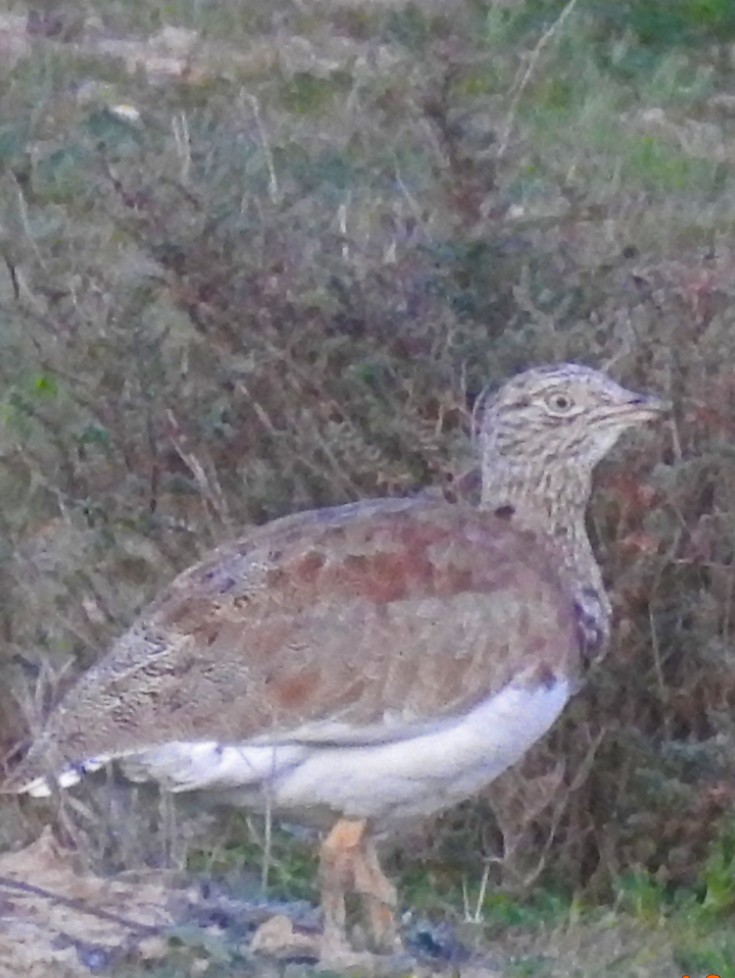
(559, 402)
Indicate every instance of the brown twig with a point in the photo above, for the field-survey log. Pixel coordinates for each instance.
(74, 903)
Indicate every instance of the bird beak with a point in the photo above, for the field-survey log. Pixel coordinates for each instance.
(645, 407)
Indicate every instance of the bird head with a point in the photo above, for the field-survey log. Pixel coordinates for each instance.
(566, 414)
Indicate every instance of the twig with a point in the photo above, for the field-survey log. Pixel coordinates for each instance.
(26, 224)
(480, 902)
(342, 224)
(182, 138)
(207, 482)
(543, 41)
(81, 906)
(269, 161)
(12, 272)
(267, 845)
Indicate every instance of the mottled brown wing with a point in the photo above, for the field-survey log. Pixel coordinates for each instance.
(403, 608)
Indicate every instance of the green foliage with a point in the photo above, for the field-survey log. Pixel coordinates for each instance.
(655, 24)
(291, 864)
(13, 142)
(642, 896)
(661, 24)
(411, 26)
(659, 168)
(307, 94)
(718, 875)
(716, 957)
(542, 910)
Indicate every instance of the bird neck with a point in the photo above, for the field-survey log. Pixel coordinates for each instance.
(550, 501)
(547, 499)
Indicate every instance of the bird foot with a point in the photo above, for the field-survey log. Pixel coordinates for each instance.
(277, 938)
(338, 956)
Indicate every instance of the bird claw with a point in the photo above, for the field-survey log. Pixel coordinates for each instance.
(339, 957)
(277, 938)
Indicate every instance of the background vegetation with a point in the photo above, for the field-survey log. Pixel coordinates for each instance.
(268, 260)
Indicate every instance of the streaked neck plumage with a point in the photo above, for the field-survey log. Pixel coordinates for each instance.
(550, 498)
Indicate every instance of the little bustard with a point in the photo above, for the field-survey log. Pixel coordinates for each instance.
(365, 665)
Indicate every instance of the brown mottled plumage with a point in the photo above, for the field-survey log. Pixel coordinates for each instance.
(364, 665)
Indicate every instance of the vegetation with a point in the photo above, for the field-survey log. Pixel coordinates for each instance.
(268, 261)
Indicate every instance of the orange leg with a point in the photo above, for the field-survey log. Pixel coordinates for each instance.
(379, 897)
(336, 876)
(349, 863)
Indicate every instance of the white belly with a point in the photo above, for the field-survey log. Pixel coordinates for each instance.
(399, 776)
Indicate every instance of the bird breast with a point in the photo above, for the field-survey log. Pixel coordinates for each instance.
(388, 774)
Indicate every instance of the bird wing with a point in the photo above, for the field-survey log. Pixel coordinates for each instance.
(332, 625)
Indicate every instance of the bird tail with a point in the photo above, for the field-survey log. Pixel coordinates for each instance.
(37, 777)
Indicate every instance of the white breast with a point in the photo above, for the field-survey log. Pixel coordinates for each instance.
(385, 772)
(396, 778)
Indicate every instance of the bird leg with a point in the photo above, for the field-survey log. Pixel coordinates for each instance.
(335, 874)
(379, 897)
(349, 863)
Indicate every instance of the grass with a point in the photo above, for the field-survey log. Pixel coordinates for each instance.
(648, 929)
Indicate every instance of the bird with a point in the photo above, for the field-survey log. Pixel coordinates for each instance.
(361, 667)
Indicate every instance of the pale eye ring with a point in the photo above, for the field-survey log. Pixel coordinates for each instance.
(559, 402)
